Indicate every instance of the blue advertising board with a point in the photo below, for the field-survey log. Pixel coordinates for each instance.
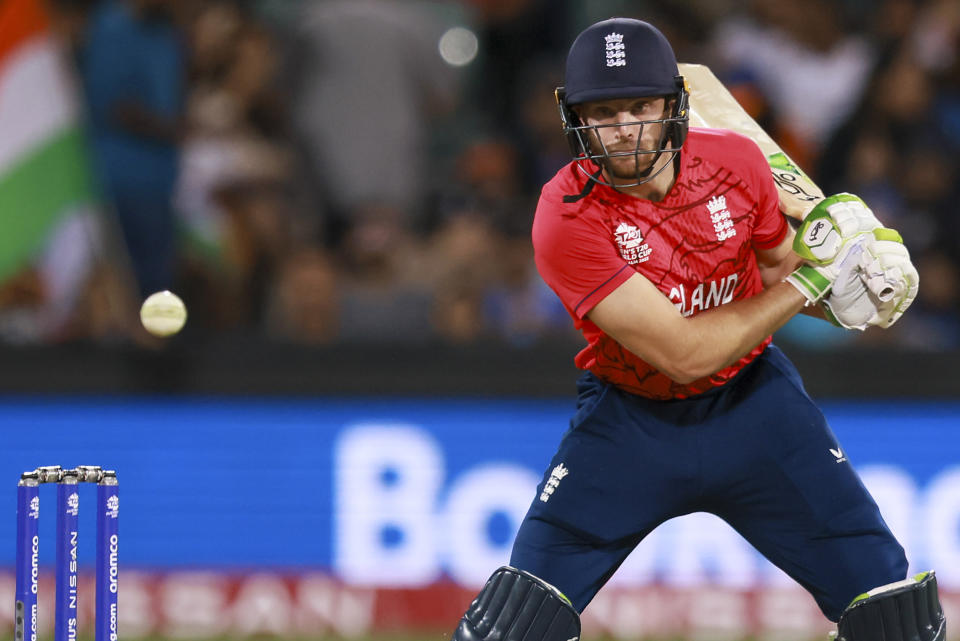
(399, 492)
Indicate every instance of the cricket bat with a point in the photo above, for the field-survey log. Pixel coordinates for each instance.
(712, 105)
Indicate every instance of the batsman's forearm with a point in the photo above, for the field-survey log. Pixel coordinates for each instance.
(686, 348)
(723, 335)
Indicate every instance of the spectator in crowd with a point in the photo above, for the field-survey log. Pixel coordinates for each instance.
(304, 306)
(485, 194)
(542, 151)
(463, 252)
(134, 73)
(234, 196)
(369, 79)
(824, 59)
(386, 296)
(514, 34)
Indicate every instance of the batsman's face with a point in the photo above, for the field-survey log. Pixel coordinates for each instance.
(623, 129)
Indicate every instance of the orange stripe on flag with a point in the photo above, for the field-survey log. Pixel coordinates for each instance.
(20, 20)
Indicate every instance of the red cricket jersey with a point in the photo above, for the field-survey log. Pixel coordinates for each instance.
(697, 246)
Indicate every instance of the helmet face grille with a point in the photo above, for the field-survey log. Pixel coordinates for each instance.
(601, 158)
(592, 157)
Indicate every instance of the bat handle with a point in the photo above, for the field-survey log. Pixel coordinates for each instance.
(886, 293)
(882, 288)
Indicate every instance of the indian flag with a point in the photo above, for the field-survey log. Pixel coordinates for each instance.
(44, 174)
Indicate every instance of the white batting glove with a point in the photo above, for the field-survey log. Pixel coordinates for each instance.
(850, 303)
(815, 281)
(887, 267)
(875, 290)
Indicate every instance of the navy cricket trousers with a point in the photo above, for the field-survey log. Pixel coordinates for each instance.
(755, 452)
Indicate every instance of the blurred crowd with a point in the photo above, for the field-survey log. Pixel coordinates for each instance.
(314, 171)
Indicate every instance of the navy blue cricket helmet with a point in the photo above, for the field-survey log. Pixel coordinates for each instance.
(621, 58)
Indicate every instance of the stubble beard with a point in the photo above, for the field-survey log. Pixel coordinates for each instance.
(628, 167)
(633, 165)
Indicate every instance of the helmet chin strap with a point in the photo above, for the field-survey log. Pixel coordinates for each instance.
(587, 188)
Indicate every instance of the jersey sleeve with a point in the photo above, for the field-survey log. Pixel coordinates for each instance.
(577, 258)
(770, 226)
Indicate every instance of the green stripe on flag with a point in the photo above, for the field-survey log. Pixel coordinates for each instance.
(36, 192)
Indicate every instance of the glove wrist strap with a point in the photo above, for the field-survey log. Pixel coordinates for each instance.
(809, 282)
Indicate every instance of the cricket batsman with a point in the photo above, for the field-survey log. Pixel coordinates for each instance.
(667, 247)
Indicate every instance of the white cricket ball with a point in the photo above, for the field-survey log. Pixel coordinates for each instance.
(163, 313)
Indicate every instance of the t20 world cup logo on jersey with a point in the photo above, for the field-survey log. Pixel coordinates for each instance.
(630, 241)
